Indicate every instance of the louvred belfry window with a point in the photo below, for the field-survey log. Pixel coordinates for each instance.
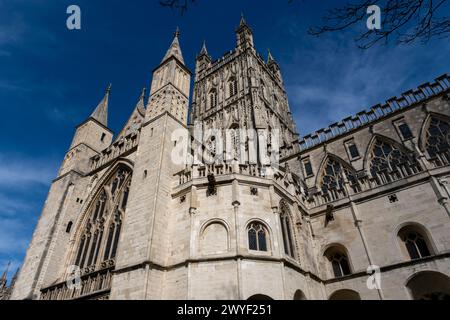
(390, 162)
(97, 245)
(437, 143)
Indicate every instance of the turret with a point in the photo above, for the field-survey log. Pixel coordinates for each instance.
(171, 74)
(203, 60)
(4, 277)
(274, 67)
(91, 137)
(244, 35)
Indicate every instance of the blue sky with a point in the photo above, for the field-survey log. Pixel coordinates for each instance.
(52, 78)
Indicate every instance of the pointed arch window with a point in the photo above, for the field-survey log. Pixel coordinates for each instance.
(332, 184)
(339, 261)
(389, 162)
(257, 237)
(276, 103)
(263, 90)
(286, 230)
(235, 142)
(97, 245)
(437, 141)
(213, 98)
(233, 87)
(415, 242)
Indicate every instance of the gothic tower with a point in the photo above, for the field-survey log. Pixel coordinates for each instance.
(145, 243)
(156, 213)
(242, 91)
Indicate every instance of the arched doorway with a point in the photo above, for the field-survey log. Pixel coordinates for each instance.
(299, 295)
(345, 294)
(259, 297)
(429, 285)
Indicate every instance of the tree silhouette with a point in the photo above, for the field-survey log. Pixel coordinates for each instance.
(181, 5)
(403, 21)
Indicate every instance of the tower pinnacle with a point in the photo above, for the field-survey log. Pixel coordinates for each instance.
(5, 275)
(204, 50)
(174, 49)
(101, 111)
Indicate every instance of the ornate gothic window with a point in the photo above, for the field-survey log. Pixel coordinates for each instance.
(437, 141)
(263, 90)
(286, 230)
(213, 98)
(235, 142)
(257, 237)
(389, 162)
(211, 149)
(332, 184)
(97, 246)
(339, 261)
(415, 242)
(233, 87)
(276, 103)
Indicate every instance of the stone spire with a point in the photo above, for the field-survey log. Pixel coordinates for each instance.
(242, 23)
(4, 276)
(174, 49)
(244, 35)
(101, 112)
(14, 278)
(204, 50)
(141, 102)
(270, 58)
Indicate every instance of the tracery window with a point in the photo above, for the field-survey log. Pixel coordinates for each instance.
(437, 143)
(263, 90)
(213, 98)
(97, 245)
(339, 261)
(235, 143)
(233, 87)
(332, 184)
(415, 242)
(286, 230)
(257, 237)
(389, 162)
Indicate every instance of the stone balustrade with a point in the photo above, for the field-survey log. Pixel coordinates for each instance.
(114, 151)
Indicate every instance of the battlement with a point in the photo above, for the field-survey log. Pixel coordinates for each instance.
(411, 97)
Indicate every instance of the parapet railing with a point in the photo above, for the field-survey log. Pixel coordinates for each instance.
(202, 171)
(94, 284)
(114, 151)
(379, 111)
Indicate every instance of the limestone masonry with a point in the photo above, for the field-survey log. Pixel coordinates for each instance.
(369, 191)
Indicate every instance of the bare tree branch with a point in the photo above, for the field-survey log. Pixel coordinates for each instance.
(181, 5)
(403, 21)
(406, 21)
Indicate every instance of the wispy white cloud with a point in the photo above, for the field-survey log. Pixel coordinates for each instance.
(331, 78)
(23, 171)
(12, 238)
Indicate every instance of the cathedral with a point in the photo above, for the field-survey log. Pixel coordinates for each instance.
(357, 210)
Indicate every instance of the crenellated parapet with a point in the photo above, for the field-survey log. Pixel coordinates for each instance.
(377, 112)
(116, 150)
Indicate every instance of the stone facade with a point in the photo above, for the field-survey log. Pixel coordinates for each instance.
(371, 190)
